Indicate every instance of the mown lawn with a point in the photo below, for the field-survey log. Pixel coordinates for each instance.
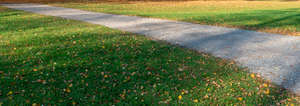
(266, 16)
(46, 60)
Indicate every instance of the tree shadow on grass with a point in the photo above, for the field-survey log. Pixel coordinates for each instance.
(280, 20)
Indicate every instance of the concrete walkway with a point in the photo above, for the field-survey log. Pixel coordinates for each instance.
(275, 57)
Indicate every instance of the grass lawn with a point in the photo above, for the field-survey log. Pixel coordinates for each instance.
(266, 16)
(47, 60)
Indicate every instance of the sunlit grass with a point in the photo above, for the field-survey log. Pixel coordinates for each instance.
(266, 16)
(47, 60)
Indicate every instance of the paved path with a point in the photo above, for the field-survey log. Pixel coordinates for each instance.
(275, 57)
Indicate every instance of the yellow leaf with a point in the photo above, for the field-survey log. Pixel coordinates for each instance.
(35, 69)
(267, 91)
(252, 75)
(105, 76)
(10, 93)
(179, 97)
(182, 93)
(34, 104)
(240, 98)
(196, 100)
(265, 85)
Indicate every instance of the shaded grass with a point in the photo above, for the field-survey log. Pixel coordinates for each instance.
(265, 16)
(48, 60)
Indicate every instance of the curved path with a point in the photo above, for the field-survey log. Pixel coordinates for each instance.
(275, 57)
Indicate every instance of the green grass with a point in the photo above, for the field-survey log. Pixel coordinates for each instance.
(47, 60)
(266, 16)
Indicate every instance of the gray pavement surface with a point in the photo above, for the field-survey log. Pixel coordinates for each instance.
(275, 57)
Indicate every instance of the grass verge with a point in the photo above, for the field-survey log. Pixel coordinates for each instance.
(264, 16)
(48, 60)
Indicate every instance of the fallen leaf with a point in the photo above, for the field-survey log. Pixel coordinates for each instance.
(267, 91)
(252, 75)
(10, 93)
(179, 97)
(105, 76)
(34, 104)
(265, 85)
(68, 90)
(240, 98)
